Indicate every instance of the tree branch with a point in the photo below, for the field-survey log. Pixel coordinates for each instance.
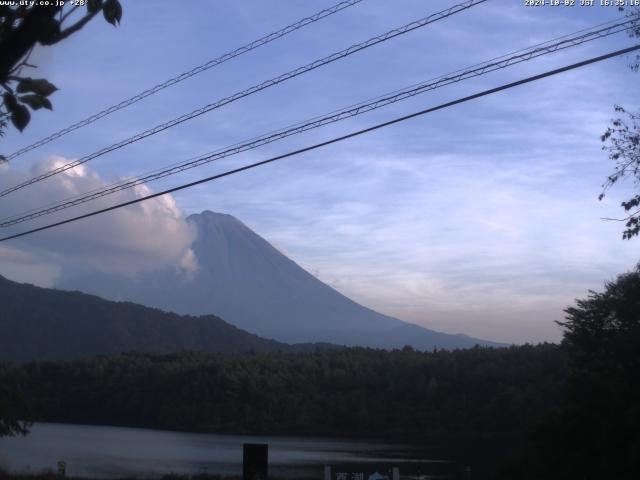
(66, 15)
(76, 26)
(626, 219)
(19, 41)
(22, 63)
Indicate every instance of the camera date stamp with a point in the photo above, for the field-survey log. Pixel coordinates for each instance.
(582, 3)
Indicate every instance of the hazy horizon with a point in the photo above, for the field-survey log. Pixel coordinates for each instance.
(480, 219)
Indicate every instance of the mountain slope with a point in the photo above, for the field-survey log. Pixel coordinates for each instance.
(249, 283)
(44, 323)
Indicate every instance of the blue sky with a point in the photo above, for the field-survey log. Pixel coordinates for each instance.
(482, 218)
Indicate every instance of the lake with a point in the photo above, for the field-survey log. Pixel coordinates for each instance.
(110, 452)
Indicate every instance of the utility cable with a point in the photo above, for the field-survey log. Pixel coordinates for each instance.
(329, 142)
(256, 88)
(338, 115)
(185, 75)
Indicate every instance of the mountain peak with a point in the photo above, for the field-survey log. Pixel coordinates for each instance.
(213, 216)
(245, 280)
(208, 220)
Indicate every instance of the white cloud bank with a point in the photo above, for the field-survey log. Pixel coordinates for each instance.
(145, 236)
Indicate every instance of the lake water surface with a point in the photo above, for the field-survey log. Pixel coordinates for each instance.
(110, 452)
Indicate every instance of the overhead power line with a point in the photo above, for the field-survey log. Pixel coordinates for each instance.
(332, 141)
(256, 88)
(352, 111)
(185, 75)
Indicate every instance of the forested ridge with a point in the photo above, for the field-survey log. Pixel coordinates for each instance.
(568, 411)
(356, 391)
(44, 323)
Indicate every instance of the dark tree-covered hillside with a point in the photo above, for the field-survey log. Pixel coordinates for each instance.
(596, 433)
(362, 392)
(43, 323)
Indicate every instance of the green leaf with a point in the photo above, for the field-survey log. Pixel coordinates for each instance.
(112, 11)
(36, 102)
(94, 5)
(10, 101)
(20, 117)
(38, 85)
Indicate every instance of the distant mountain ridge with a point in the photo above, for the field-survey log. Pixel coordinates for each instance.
(42, 323)
(246, 281)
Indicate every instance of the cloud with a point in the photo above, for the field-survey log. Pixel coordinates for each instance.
(146, 236)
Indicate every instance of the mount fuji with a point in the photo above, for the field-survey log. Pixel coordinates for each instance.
(249, 283)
